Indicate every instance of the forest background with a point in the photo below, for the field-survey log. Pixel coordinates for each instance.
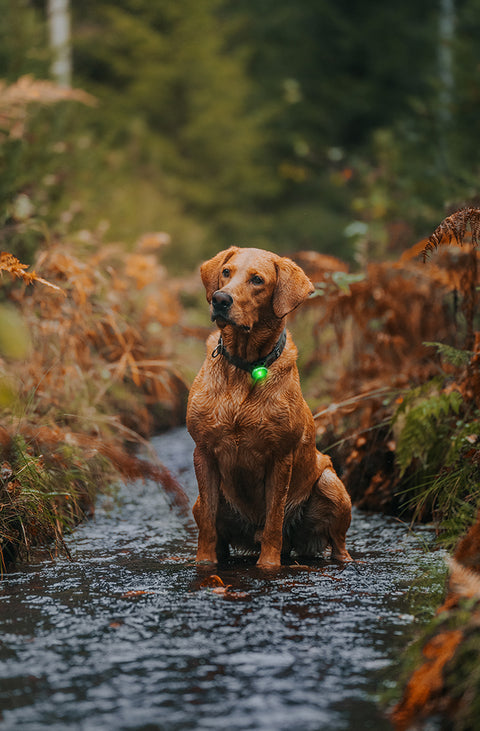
(342, 127)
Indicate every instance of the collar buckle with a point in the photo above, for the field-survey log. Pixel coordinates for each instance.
(219, 350)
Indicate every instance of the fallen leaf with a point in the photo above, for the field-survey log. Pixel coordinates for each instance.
(226, 592)
(212, 580)
(135, 592)
(222, 590)
(218, 587)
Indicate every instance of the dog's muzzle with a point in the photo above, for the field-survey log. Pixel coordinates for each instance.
(221, 303)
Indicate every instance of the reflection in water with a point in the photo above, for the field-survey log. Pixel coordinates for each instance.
(133, 635)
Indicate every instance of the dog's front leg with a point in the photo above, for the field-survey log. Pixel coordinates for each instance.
(276, 490)
(206, 505)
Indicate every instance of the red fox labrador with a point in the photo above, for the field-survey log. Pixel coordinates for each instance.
(262, 483)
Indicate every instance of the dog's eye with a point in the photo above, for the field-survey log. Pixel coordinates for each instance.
(257, 280)
(226, 273)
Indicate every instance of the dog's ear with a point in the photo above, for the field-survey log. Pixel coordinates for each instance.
(210, 270)
(293, 287)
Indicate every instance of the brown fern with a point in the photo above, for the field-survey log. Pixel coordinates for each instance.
(10, 264)
(455, 227)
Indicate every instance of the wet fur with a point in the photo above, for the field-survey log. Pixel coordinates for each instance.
(263, 486)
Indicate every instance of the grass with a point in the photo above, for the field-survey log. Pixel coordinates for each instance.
(42, 496)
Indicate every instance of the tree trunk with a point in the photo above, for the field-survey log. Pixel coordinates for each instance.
(59, 31)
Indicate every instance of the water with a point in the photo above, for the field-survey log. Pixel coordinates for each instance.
(126, 636)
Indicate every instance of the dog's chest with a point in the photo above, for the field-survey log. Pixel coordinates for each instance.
(237, 419)
(243, 443)
(248, 422)
(242, 427)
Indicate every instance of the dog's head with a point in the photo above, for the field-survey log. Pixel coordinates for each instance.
(249, 286)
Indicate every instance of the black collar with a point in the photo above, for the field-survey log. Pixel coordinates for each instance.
(246, 365)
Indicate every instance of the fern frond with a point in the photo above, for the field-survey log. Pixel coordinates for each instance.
(420, 423)
(10, 264)
(455, 227)
(454, 356)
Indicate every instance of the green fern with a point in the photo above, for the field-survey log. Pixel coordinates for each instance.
(452, 497)
(437, 437)
(421, 423)
(454, 356)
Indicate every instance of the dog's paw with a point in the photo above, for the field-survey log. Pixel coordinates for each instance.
(342, 556)
(268, 566)
(204, 557)
(269, 560)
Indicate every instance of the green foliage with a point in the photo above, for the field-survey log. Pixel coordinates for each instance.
(455, 493)
(164, 68)
(454, 356)
(422, 424)
(23, 40)
(343, 85)
(437, 433)
(266, 123)
(423, 160)
(336, 281)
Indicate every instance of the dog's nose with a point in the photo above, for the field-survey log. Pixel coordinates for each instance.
(221, 301)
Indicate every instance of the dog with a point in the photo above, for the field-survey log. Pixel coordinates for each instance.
(263, 486)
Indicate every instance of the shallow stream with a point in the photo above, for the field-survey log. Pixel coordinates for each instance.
(126, 637)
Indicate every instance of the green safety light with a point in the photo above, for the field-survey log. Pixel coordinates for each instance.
(259, 373)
